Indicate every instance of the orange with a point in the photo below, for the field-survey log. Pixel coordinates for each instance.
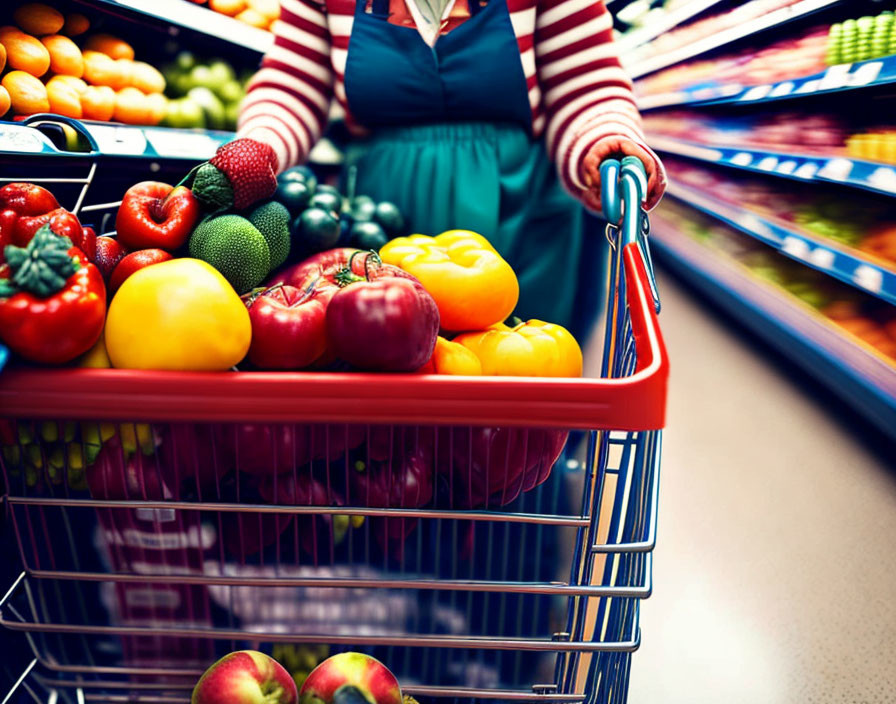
(268, 8)
(64, 99)
(4, 101)
(24, 52)
(100, 70)
(228, 7)
(256, 19)
(112, 47)
(131, 107)
(147, 78)
(75, 24)
(124, 74)
(2, 57)
(77, 83)
(65, 56)
(157, 107)
(98, 103)
(37, 18)
(27, 94)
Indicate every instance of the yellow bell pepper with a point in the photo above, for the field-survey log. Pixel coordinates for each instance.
(180, 314)
(470, 282)
(534, 348)
(451, 358)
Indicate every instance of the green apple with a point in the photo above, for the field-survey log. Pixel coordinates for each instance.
(215, 118)
(185, 61)
(192, 113)
(230, 91)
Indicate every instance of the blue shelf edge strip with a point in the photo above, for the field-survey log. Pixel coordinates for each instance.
(866, 175)
(116, 141)
(850, 268)
(863, 74)
(875, 402)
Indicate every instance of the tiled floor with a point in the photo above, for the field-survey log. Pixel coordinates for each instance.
(775, 574)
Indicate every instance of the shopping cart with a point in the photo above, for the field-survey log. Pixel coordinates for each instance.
(239, 510)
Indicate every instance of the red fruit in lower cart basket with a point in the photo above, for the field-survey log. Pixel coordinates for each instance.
(115, 476)
(388, 324)
(335, 678)
(245, 677)
(108, 253)
(133, 262)
(156, 215)
(288, 326)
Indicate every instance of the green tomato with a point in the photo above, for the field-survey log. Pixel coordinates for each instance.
(389, 216)
(299, 173)
(368, 235)
(318, 228)
(326, 201)
(363, 209)
(327, 188)
(294, 195)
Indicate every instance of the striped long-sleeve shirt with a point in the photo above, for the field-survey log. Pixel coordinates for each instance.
(577, 90)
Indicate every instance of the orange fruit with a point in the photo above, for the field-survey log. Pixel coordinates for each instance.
(2, 57)
(77, 83)
(100, 70)
(98, 103)
(24, 52)
(112, 47)
(26, 93)
(5, 101)
(157, 107)
(37, 18)
(64, 99)
(268, 8)
(228, 7)
(256, 19)
(131, 107)
(65, 56)
(124, 75)
(147, 78)
(75, 24)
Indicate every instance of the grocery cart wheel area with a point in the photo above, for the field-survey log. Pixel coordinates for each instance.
(465, 531)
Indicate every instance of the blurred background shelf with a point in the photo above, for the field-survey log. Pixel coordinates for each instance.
(855, 372)
(866, 175)
(847, 265)
(668, 20)
(774, 19)
(183, 15)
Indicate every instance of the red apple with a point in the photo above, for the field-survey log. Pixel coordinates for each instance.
(347, 677)
(154, 215)
(108, 253)
(245, 677)
(133, 262)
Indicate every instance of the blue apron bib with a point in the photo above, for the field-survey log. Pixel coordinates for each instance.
(451, 145)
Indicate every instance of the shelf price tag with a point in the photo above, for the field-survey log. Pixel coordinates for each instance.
(742, 159)
(820, 257)
(866, 73)
(807, 170)
(787, 167)
(782, 89)
(118, 140)
(836, 169)
(836, 77)
(20, 139)
(869, 278)
(883, 179)
(768, 163)
(757, 93)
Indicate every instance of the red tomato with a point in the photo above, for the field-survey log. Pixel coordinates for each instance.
(108, 253)
(134, 262)
(155, 215)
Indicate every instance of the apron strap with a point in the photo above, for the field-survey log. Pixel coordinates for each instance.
(380, 9)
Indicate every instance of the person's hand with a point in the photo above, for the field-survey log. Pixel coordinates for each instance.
(617, 147)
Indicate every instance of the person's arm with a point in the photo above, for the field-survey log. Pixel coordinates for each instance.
(287, 101)
(590, 109)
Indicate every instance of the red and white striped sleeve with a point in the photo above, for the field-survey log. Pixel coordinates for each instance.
(288, 99)
(586, 94)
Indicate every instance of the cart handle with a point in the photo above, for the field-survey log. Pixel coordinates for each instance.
(50, 118)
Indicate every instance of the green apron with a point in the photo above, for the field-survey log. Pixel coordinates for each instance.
(494, 180)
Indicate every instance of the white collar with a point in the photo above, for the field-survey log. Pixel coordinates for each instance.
(430, 33)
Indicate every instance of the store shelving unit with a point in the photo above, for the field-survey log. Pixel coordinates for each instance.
(669, 21)
(867, 175)
(854, 370)
(178, 15)
(848, 265)
(777, 18)
(835, 79)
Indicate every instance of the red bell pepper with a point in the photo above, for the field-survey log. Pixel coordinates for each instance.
(25, 208)
(52, 300)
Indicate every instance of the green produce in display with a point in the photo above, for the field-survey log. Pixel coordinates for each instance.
(235, 247)
(205, 95)
(862, 39)
(272, 221)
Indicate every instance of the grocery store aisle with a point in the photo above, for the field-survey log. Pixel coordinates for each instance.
(775, 574)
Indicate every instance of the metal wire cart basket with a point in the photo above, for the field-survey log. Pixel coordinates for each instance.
(463, 530)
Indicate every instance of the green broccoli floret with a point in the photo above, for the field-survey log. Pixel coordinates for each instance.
(272, 221)
(233, 245)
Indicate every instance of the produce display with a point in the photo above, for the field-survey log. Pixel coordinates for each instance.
(864, 223)
(202, 93)
(256, 13)
(52, 62)
(870, 321)
(794, 57)
(861, 39)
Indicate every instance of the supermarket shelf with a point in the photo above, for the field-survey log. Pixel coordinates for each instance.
(863, 378)
(660, 26)
(863, 74)
(187, 15)
(867, 175)
(720, 39)
(850, 266)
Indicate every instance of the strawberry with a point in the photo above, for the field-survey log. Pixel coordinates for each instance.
(251, 169)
